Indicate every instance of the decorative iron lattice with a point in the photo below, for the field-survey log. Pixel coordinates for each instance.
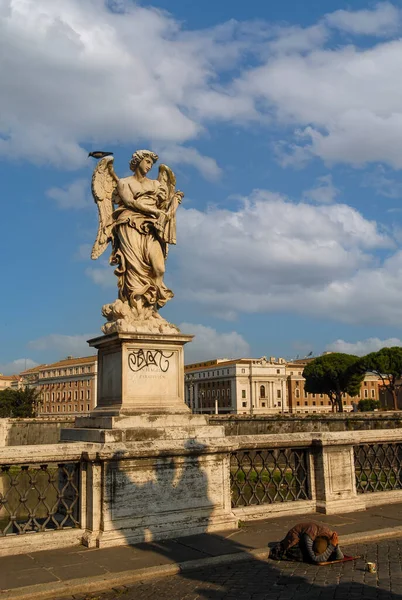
(38, 497)
(267, 476)
(378, 467)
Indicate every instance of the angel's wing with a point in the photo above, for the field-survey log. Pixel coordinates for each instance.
(104, 183)
(167, 178)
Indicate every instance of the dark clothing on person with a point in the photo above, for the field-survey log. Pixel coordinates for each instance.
(298, 544)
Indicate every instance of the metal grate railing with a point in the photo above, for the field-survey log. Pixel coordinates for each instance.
(378, 467)
(38, 497)
(269, 475)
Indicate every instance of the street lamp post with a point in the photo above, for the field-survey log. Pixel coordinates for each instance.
(190, 381)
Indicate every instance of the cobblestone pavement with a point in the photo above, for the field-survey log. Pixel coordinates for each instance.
(271, 580)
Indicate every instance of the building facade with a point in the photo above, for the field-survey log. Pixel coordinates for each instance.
(66, 387)
(301, 401)
(8, 381)
(261, 386)
(239, 386)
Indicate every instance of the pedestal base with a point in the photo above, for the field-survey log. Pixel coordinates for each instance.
(140, 373)
(140, 428)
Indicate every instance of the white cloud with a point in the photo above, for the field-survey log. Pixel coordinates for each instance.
(272, 255)
(298, 39)
(64, 345)
(102, 275)
(323, 192)
(383, 184)
(83, 253)
(209, 343)
(207, 166)
(16, 366)
(363, 347)
(343, 103)
(383, 20)
(87, 73)
(75, 195)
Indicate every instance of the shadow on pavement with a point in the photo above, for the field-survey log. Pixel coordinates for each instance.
(258, 580)
(180, 481)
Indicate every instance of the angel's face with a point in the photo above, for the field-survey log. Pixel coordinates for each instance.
(145, 165)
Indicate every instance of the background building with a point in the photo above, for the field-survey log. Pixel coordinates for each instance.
(261, 386)
(66, 386)
(8, 381)
(240, 386)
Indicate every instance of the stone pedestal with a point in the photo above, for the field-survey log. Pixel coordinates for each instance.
(140, 373)
(159, 471)
(140, 392)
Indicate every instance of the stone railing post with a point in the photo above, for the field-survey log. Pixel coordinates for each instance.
(334, 475)
(91, 508)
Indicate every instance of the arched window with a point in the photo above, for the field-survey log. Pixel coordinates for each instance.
(262, 391)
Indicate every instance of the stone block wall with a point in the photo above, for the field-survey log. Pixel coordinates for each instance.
(277, 424)
(22, 432)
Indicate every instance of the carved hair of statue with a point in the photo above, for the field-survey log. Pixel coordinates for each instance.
(138, 156)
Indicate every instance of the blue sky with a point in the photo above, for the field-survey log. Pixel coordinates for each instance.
(283, 124)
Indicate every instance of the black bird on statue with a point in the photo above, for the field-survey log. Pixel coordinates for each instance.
(99, 154)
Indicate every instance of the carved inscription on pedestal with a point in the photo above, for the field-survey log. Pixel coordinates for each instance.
(153, 371)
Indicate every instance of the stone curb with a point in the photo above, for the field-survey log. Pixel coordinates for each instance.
(371, 536)
(100, 583)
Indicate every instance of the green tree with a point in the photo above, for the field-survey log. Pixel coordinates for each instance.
(368, 404)
(333, 374)
(18, 403)
(387, 364)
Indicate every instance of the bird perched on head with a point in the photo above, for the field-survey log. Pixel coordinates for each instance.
(99, 154)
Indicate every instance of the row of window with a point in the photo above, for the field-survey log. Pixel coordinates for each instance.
(306, 395)
(67, 396)
(69, 371)
(262, 393)
(221, 383)
(78, 383)
(278, 371)
(219, 393)
(321, 403)
(263, 404)
(56, 408)
(220, 372)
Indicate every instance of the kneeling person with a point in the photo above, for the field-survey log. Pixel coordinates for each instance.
(308, 542)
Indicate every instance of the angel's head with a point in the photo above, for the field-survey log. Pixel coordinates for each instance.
(145, 159)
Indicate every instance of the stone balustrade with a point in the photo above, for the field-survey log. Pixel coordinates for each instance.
(118, 493)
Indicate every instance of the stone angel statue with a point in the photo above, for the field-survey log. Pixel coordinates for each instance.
(137, 215)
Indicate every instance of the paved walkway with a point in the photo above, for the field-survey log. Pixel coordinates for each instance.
(268, 580)
(77, 570)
